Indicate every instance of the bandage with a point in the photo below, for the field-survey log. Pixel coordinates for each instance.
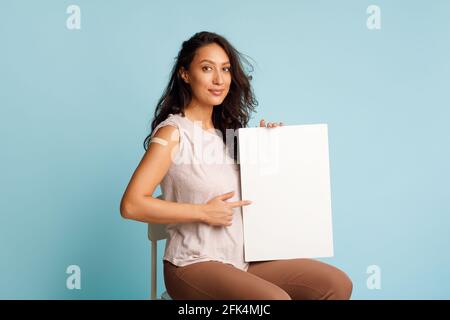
(159, 140)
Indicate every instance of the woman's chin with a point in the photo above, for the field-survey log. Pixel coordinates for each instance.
(215, 101)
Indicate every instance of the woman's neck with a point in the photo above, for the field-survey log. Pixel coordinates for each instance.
(196, 112)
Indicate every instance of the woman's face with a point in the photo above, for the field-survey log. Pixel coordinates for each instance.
(209, 75)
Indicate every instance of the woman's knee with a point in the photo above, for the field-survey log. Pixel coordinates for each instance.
(341, 286)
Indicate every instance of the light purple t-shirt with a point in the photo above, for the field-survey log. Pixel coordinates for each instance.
(202, 169)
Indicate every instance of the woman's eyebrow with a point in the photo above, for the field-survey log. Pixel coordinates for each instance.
(206, 60)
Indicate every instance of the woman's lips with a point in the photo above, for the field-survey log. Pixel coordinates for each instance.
(216, 92)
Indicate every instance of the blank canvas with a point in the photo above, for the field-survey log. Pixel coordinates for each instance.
(285, 171)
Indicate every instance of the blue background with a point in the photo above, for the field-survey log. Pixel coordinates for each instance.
(77, 104)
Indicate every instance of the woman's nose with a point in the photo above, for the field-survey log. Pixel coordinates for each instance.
(218, 78)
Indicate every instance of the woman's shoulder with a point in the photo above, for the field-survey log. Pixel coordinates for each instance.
(180, 121)
(174, 120)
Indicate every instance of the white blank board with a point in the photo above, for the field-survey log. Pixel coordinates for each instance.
(285, 171)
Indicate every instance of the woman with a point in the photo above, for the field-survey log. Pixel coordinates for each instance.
(208, 96)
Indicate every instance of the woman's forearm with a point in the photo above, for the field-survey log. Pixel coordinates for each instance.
(151, 210)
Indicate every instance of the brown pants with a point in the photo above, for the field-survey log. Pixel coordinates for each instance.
(293, 279)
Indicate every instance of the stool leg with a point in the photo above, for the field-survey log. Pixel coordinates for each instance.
(153, 280)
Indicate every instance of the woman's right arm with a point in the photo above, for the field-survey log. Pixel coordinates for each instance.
(137, 202)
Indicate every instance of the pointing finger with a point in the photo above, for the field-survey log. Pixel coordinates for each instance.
(239, 203)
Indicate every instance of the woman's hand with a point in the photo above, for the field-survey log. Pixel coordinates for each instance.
(217, 212)
(270, 124)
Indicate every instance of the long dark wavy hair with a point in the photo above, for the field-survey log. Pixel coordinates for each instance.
(235, 110)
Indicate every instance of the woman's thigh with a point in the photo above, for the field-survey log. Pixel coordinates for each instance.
(218, 281)
(305, 279)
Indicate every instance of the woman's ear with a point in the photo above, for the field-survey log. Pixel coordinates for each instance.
(184, 75)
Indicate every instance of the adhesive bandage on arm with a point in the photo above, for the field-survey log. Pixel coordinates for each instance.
(159, 140)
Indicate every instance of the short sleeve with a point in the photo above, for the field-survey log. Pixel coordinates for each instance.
(170, 121)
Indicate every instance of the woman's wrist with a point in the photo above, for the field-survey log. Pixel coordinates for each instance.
(199, 212)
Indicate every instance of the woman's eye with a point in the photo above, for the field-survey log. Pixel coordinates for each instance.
(206, 68)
